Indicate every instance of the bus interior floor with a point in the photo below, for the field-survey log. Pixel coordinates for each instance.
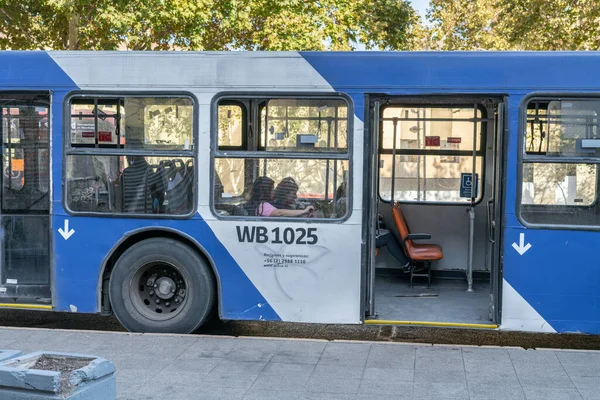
(447, 300)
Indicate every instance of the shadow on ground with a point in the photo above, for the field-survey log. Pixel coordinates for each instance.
(54, 320)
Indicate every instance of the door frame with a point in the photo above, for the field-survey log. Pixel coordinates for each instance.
(30, 293)
(372, 127)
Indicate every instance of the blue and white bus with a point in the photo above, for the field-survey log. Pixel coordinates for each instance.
(167, 188)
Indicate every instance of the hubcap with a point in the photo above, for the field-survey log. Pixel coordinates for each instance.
(161, 291)
(166, 288)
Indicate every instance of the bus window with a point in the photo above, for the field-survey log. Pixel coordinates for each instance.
(297, 185)
(561, 154)
(291, 129)
(161, 181)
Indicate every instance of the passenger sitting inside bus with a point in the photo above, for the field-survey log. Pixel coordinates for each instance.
(286, 194)
(262, 197)
(383, 237)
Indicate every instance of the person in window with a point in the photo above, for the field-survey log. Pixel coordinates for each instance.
(286, 194)
(263, 194)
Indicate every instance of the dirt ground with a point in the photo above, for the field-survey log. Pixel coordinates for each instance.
(53, 320)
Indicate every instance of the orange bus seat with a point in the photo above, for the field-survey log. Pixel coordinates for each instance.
(417, 253)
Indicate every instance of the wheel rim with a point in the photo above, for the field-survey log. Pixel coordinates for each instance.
(159, 291)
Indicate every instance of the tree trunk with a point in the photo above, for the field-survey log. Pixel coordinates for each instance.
(74, 32)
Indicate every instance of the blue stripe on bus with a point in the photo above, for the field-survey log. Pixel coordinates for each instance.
(27, 70)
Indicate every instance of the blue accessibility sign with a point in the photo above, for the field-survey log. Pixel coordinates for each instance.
(466, 185)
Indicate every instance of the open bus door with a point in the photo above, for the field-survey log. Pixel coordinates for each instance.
(24, 198)
(422, 148)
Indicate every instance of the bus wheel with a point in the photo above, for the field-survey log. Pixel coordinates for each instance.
(161, 285)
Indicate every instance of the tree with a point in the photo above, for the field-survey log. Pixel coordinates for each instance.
(514, 24)
(207, 24)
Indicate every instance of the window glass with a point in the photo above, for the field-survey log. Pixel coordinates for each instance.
(440, 128)
(562, 128)
(304, 125)
(426, 178)
(559, 184)
(25, 164)
(130, 184)
(291, 184)
(132, 123)
(230, 125)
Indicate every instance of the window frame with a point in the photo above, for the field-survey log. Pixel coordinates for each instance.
(524, 158)
(482, 152)
(244, 154)
(69, 150)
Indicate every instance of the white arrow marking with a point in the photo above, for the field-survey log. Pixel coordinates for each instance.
(521, 248)
(66, 233)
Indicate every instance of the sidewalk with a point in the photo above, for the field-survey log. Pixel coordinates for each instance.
(210, 367)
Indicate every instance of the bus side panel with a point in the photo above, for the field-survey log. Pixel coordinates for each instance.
(312, 276)
(553, 285)
(79, 260)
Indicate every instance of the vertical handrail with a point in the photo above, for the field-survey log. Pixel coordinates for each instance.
(474, 186)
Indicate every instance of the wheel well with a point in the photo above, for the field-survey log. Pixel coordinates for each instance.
(109, 264)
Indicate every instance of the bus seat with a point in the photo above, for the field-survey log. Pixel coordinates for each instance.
(417, 253)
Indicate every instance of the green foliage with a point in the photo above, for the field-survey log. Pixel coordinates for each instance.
(514, 24)
(206, 24)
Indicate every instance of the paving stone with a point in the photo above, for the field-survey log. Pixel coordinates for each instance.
(389, 374)
(578, 357)
(338, 371)
(390, 356)
(439, 375)
(445, 390)
(586, 382)
(531, 356)
(541, 378)
(347, 354)
(332, 385)
(590, 394)
(496, 392)
(269, 394)
(283, 370)
(209, 348)
(299, 352)
(378, 388)
(239, 367)
(277, 382)
(327, 396)
(544, 393)
(254, 350)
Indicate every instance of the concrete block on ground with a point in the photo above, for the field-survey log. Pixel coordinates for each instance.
(8, 354)
(53, 375)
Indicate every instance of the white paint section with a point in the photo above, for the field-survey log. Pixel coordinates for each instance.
(326, 289)
(213, 72)
(519, 315)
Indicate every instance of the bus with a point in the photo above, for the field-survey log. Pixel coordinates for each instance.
(168, 188)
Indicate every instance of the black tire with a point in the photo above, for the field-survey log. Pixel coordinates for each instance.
(144, 277)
